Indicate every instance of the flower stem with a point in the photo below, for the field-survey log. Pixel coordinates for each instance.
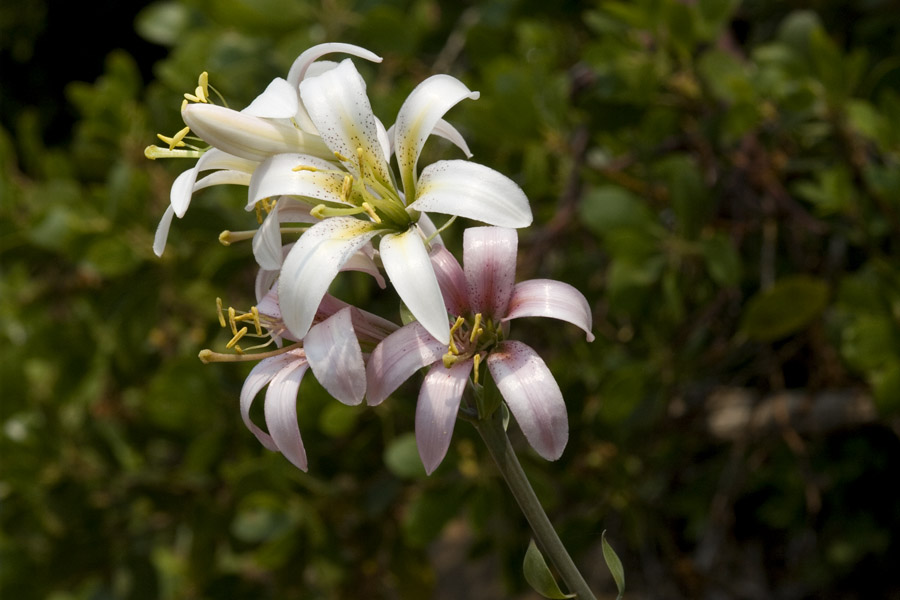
(497, 442)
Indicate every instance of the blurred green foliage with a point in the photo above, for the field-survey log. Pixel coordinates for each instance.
(721, 180)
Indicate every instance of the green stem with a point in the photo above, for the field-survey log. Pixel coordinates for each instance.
(494, 436)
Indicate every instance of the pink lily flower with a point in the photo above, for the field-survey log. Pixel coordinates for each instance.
(482, 299)
(334, 350)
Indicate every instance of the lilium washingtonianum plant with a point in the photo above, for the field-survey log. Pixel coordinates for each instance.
(335, 349)
(483, 298)
(275, 122)
(361, 199)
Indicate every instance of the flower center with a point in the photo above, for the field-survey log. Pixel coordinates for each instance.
(471, 338)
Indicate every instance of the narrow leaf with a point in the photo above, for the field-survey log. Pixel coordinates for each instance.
(613, 564)
(538, 574)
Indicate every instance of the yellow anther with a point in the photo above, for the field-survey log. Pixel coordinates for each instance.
(231, 314)
(459, 323)
(452, 345)
(203, 80)
(220, 313)
(238, 349)
(175, 140)
(237, 337)
(255, 312)
(269, 203)
(341, 157)
(476, 328)
(347, 188)
(305, 168)
(184, 104)
(371, 212)
(259, 217)
(192, 98)
(477, 362)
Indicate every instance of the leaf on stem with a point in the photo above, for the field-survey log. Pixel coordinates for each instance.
(538, 574)
(613, 564)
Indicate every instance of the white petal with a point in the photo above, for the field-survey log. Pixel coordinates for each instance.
(279, 101)
(337, 103)
(258, 378)
(533, 396)
(550, 298)
(489, 257)
(267, 242)
(298, 70)
(395, 359)
(467, 189)
(449, 132)
(313, 263)
(276, 176)
(186, 183)
(407, 265)
(281, 413)
(436, 410)
(162, 231)
(383, 138)
(336, 359)
(228, 177)
(451, 279)
(417, 118)
(247, 136)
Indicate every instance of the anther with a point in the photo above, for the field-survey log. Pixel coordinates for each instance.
(476, 328)
(255, 312)
(231, 315)
(371, 212)
(237, 337)
(477, 362)
(175, 140)
(305, 168)
(220, 313)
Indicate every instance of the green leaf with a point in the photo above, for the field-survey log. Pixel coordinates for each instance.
(722, 259)
(538, 574)
(613, 564)
(787, 307)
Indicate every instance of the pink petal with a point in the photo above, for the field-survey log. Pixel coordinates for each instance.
(258, 378)
(397, 357)
(281, 413)
(436, 410)
(335, 357)
(489, 256)
(550, 298)
(451, 279)
(533, 396)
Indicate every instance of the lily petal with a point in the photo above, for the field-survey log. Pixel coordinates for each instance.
(550, 298)
(186, 183)
(335, 357)
(298, 70)
(533, 396)
(312, 264)
(276, 176)
(436, 410)
(267, 241)
(467, 189)
(407, 265)
(279, 101)
(259, 377)
(162, 231)
(417, 118)
(441, 129)
(337, 103)
(489, 256)
(451, 279)
(249, 137)
(281, 413)
(397, 357)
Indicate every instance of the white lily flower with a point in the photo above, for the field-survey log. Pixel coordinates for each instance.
(338, 107)
(275, 122)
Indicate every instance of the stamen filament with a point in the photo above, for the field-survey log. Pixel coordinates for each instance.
(154, 152)
(321, 211)
(440, 231)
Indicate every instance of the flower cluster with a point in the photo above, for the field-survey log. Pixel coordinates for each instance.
(317, 164)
